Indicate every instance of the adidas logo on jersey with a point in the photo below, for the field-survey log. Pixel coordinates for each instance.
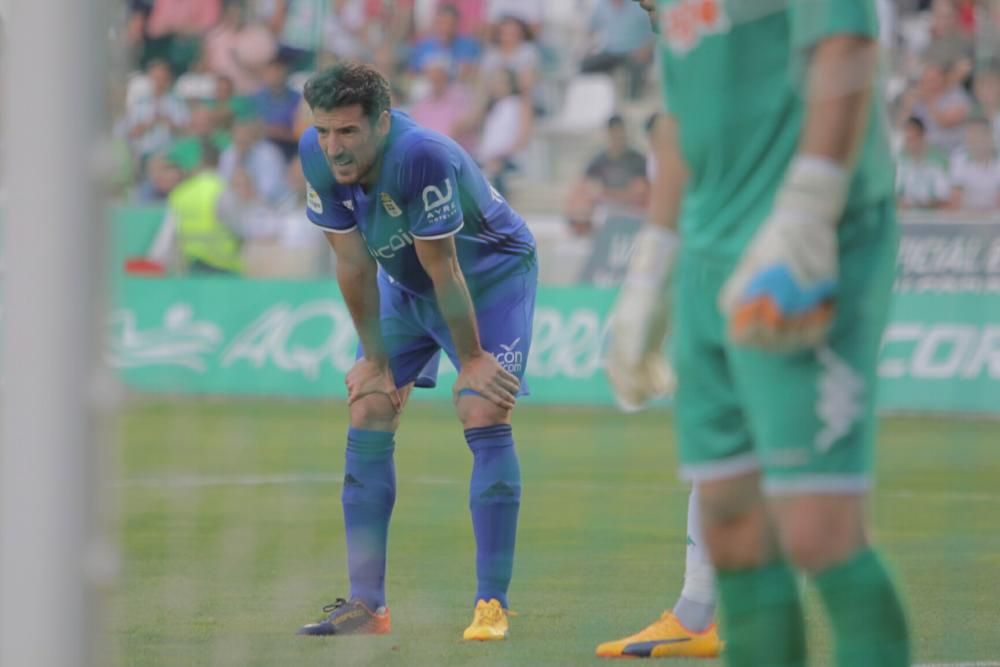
(684, 24)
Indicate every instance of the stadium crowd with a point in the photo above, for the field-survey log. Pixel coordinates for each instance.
(213, 109)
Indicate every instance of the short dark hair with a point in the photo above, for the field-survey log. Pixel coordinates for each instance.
(917, 124)
(616, 121)
(347, 84)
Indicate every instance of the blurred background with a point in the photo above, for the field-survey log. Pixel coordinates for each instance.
(227, 439)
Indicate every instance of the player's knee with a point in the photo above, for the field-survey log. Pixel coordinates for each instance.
(735, 523)
(374, 413)
(818, 533)
(476, 412)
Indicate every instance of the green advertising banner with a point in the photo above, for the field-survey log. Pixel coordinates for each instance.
(228, 336)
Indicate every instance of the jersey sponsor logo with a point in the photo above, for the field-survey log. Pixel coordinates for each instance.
(684, 24)
(510, 358)
(390, 206)
(397, 242)
(313, 201)
(439, 203)
(839, 405)
(348, 204)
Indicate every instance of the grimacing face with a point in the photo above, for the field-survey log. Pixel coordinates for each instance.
(351, 144)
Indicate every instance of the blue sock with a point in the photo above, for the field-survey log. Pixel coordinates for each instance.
(494, 499)
(368, 496)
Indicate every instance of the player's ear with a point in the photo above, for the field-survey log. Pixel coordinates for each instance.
(383, 123)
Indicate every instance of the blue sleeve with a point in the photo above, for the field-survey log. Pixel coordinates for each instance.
(429, 186)
(323, 207)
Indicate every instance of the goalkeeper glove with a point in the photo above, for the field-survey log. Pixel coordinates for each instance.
(638, 326)
(781, 295)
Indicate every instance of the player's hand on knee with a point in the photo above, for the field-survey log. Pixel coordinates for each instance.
(369, 377)
(782, 294)
(639, 323)
(484, 375)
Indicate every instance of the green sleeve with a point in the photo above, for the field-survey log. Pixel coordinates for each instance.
(815, 20)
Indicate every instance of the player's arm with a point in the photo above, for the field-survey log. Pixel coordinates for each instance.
(781, 294)
(356, 275)
(841, 80)
(429, 181)
(440, 260)
(635, 365)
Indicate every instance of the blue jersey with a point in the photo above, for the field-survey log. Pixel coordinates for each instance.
(428, 188)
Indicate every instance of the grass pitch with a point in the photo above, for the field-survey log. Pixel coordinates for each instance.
(233, 537)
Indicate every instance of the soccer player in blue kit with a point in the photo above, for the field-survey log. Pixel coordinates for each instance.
(429, 258)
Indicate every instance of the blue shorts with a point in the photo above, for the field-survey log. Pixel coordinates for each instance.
(415, 333)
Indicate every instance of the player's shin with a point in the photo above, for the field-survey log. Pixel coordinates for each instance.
(869, 625)
(695, 608)
(494, 500)
(763, 616)
(368, 497)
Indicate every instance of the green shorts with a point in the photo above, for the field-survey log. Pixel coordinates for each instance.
(804, 420)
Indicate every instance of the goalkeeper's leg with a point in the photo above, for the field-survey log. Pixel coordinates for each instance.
(695, 608)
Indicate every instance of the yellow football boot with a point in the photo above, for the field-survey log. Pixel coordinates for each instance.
(489, 622)
(665, 638)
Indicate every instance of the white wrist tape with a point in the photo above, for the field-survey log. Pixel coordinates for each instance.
(652, 257)
(815, 187)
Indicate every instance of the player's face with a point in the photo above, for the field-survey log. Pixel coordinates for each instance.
(351, 143)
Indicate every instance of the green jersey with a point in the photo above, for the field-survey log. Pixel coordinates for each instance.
(734, 77)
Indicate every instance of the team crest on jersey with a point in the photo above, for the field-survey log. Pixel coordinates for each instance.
(348, 204)
(390, 206)
(313, 201)
(684, 24)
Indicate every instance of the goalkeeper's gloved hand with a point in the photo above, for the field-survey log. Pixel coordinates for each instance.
(638, 327)
(781, 296)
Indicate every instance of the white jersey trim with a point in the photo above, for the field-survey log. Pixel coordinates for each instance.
(335, 231)
(721, 469)
(439, 236)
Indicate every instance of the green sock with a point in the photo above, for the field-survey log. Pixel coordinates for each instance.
(869, 625)
(762, 617)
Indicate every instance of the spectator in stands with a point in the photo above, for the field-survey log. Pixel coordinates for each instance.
(506, 121)
(529, 11)
(175, 28)
(239, 50)
(446, 103)
(159, 177)
(951, 45)
(276, 104)
(987, 90)
(192, 229)
(943, 107)
(616, 175)
(345, 32)
(155, 119)
(975, 171)
(253, 157)
(513, 48)
(280, 242)
(463, 51)
(298, 26)
(922, 173)
(621, 38)
(471, 16)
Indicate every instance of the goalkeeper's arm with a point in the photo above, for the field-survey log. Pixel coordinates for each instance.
(781, 294)
(635, 364)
